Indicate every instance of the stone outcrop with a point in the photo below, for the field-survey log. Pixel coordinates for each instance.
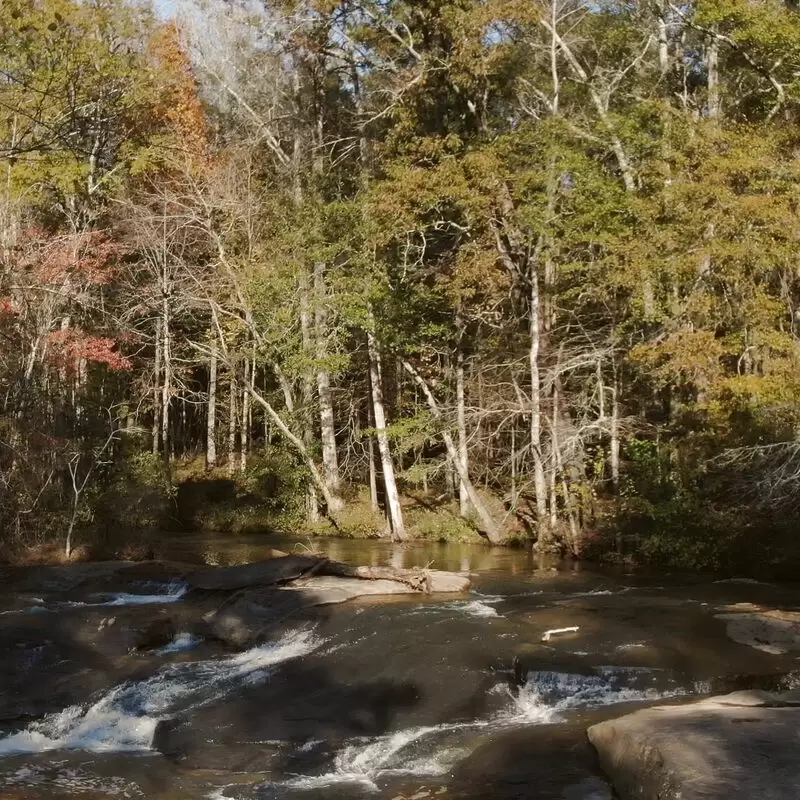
(272, 572)
(289, 569)
(774, 632)
(264, 595)
(736, 747)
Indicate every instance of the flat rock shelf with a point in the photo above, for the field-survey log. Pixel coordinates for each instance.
(741, 746)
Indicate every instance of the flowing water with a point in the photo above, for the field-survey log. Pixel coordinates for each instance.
(401, 697)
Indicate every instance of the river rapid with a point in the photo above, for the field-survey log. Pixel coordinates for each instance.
(400, 697)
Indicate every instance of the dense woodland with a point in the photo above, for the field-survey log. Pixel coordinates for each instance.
(525, 270)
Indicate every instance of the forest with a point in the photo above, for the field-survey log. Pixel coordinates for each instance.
(520, 271)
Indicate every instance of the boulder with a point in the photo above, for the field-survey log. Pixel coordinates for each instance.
(735, 747)
(447, 582)
(254, 616)
(328, 590)
(272, 572)
(774, 632)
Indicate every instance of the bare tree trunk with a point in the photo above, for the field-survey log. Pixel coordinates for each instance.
(373, 470)
(615, 452)
(166, 386)
(232, 424)
(663, 40)
(245, 445)
(514, 465)
(312, 502)
(554, 460)
(489, 526)
(330, 460)
(211, 417)
(465, 507)
(157, 392)
(714, 102)
(539, 479)
(379, 415)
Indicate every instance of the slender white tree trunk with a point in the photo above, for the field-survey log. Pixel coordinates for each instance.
(330, 460)
(157, 392)
(465, 507)
(232, 413)
(539, 479)
(393, 506)
(245, 446)
(211, 416)
(487, 523)
(514, 465)
(166, 386)
(373, 471)
(312, 501)
(714, 102)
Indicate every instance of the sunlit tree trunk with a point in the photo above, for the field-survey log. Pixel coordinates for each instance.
(157, 392)
(166, 386)
(394, 509)
(232, 413)
(465, 507)
(245, 428)
(330, 459)
(211, 415)
(487, 523)
(537, 451)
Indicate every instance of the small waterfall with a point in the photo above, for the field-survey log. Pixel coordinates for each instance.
(546, 695)
(125, 718)
(423, 752)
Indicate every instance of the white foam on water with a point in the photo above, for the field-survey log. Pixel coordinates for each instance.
(479, 608)
(431, 752)
(181, 642)
(547, 696)
(125, 718)
(169, 593)
(364, 762)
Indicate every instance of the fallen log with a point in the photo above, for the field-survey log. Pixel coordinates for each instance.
(426, 581)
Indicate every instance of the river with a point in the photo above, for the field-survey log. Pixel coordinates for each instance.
(408, 697)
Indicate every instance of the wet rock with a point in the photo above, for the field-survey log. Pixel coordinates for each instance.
(253, 617)
(272, 572)
(507, 765)
(734, 747)
(326, 590)
(774, 632)
(156, 633)
(447, 582)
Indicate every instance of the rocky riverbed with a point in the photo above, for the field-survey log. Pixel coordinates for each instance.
(313, 676)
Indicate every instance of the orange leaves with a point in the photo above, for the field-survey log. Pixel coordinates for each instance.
(179, 107)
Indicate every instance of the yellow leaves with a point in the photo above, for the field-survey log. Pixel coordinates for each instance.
(689, 358)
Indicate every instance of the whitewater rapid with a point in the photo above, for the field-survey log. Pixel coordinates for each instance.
(125, 718)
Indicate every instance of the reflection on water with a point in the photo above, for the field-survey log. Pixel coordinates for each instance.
(226, 550)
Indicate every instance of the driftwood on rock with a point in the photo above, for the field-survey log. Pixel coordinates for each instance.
(286, 570)
(415, 578)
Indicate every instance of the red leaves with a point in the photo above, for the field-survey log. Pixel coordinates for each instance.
(7, 309)
(68, 347)
(88, 258)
